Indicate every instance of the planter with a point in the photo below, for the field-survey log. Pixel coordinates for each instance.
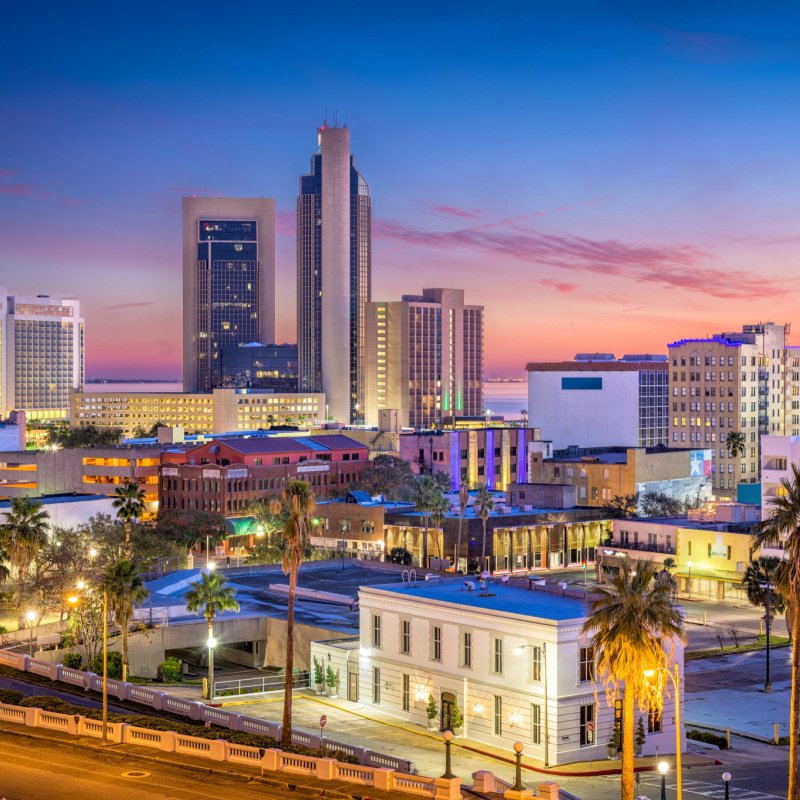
(319, 688)
(432, 724)
(333, 694)
(456, 731)
(612, 752)
(637, 750)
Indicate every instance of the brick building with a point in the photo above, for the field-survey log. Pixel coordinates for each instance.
(227, 476)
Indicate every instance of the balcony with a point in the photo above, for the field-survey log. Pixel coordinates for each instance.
(645, 547)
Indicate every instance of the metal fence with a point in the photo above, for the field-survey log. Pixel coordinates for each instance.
(268, 683)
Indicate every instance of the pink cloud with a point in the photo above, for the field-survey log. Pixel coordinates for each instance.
(123, 306)
(677, 266)
(460, 213)
(562, 286)
(17, 189)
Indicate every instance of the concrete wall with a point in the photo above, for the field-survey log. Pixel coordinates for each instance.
(304, 635)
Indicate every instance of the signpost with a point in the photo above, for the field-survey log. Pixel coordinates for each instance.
(323, 721)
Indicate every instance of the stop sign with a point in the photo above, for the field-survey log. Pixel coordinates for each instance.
(323, 720)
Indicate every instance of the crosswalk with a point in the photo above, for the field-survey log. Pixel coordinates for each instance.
(714, 791)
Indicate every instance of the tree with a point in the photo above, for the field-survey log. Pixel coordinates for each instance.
(140, 432)
(399, 555)
(427, 496)
(22, 536)
(628, 620)
(443, 481)
(484, 505)
(188, 528)
(387, 475)
(660, 504)
(463, 500)
(622, 506)
(735, 444)
(123, 588)
(438, 516)
(208, 596)
(782, 528)
(129, 503)
(759, 572)
(60, 434)
(297, 505)
(524, 415)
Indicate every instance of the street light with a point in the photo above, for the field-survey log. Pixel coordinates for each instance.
(689, 585)
(676, 682)
(518, 773)
(74, 600)
(30, 616)
(212, 643)
(726, 779)
(663, 768)
(448, 738)
(768, 587)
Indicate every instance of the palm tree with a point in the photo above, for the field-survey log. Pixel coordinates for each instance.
(208, 596)
(129, 502)
(626, 624)
(438, 516)
(524, 415)
(463, 500)
(297, 505)
(426, 494)
(735, 443)
(124, 588)
(783, 528)
(22, 536)
(484, 505)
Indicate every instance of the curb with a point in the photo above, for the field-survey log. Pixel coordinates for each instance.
(741, 734)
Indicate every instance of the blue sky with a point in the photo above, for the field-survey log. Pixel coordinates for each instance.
(600, 175)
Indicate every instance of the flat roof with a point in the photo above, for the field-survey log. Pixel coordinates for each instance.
(597, 366)
(499, 597)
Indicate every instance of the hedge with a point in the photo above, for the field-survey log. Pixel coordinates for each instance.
(58, 706)
(708, 738)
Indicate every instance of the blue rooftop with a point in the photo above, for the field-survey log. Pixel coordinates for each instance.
(504, 598)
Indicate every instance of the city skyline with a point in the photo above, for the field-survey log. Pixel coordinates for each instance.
(625, 174)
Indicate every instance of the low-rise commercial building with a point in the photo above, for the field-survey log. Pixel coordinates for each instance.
(220, 411)
(512, 661)
(601, 473)
(227, 475)
(709, 550)
(69, 510)
(491, 456)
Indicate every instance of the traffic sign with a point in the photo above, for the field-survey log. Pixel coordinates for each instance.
(590, 727)
(323, 721)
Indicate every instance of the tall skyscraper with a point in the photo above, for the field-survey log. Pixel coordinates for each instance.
(228, 281)
(424, 358)
(42, 354)
(334, 246)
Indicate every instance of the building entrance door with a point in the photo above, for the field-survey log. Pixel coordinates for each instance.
(448, 701)
(352, 686)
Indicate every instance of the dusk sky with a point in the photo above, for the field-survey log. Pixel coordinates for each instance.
(602, 176)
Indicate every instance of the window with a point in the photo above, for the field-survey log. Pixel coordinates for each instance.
(376, 630)
(536, 723)
(498, 715)
(466, 649)
(653, 721)
(497, 661)
(376, 685)
(587, 725)
(436, 644)
(405, 637)
(586, 664)
(406, 693)
(536, 672)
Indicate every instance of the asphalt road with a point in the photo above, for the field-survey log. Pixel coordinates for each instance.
(760, 772)
(42, 770)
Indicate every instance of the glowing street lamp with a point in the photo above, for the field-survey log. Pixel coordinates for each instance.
(726, 779)
(676, 682)
(212, 643)
(663, 768)
(30, 616)
(448, 738)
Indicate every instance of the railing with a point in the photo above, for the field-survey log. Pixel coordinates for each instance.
(268, 683)
(563, 794)
(646, 547)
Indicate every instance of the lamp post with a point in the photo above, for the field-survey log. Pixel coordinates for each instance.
(518, 771)
(726, 779)
(663, 768)
(689, 584)
(448, 738)
(30, 616)
(676, 682)
(768, 587)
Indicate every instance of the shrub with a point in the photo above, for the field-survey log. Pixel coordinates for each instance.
(318, 677)
(72, 660)
(432, 710)
(708, 738)
(10, 697)
(170, 670)
(114, 664)
(456, 719)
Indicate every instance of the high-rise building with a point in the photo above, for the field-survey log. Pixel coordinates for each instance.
(333, 276)
(260, 366)
(424, 358)
(228, 281)
(42, 354)
(730, 383)
(597, 400)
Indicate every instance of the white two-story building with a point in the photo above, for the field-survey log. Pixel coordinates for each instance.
(513, 661)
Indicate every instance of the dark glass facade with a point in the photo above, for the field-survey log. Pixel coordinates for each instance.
(260, 366)
(309, 282)
(227, 293)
